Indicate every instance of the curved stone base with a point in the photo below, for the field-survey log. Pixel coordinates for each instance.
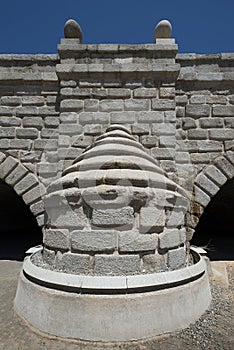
(108, 317)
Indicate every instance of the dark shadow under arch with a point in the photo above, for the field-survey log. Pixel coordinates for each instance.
(215, 229)
(18, 226)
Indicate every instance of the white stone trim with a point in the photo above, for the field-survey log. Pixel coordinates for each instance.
(111, 284)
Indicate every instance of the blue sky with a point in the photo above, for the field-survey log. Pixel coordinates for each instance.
(201, 26)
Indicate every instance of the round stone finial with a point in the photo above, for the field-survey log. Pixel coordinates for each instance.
(72, 30)
(163, 30)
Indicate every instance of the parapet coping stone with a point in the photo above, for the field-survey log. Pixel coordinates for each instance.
(127, 284)
(74, 45)
(29, 57)
(180, 57)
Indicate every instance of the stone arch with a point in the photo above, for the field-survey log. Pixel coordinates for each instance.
(207, 184)
(25, 184)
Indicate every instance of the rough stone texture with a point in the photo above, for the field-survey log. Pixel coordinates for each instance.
(176, 258)
(56, 239)
(73, 263)
(94, 241)
(7, 166)
(152, 219)
(130, 242)
(113, 217)
(171, 238)
(65, 216)
(154, 263)
(116, 265)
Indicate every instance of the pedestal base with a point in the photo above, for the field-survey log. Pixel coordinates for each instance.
(143, 310)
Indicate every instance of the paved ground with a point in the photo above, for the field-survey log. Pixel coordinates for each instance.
(214, 331)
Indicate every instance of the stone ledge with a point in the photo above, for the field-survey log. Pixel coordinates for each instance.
(73, 45)
(29, 57)
(162, 69)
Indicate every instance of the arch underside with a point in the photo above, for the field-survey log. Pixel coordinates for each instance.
(21, 209)
(24, 183)
(213, 207)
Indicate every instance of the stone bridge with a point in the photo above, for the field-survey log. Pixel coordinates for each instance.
(179, 106)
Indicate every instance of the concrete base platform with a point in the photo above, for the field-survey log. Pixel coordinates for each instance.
(101, 316)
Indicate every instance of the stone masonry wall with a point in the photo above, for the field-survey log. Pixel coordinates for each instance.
(205, 125)
(53, 106)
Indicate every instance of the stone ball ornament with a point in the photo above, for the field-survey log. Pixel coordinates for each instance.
(163, 30)
(72, 30)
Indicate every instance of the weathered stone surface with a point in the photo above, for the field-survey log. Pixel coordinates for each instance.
(7, 166)
(175, 218)
(81, 141)
(167, 92)
(7, 132)
(56, 239)
(2, 157)
(163, 105)
(71, 105)
(36, 122)
(154, 263)
(122, 117)
(116, 265)
(48, 256)
(149, 141)
(176, 258)
(17, 174)
(215, 175)
(94, 241)
(207, 185)
(171, 238)
(72, 30)
(200, 196)
(163, 29)
(113, 217)
(209, 123)
(73, 263)
(10, 121)
(225, 167)
(37, 208)
(152, 219)
(29, 133)
(223, 111)
(150, 117)
(65, 217)
(221, 134)
(34, 194)
(111, 105)
(26, 183)
(131, 241)
(197, 111)
(144, 92)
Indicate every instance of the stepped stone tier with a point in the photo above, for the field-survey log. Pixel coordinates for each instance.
(115, 212)
(117, 218)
